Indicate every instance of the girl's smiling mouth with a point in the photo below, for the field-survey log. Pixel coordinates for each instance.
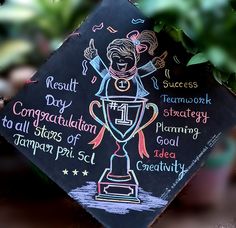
(122, 66)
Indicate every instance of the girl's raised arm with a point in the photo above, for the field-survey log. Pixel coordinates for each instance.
(91, 53)
(152, 66)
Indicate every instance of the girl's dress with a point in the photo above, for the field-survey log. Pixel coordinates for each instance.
(108, 85)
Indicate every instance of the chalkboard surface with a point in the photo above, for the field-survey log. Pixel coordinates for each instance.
(116, 119)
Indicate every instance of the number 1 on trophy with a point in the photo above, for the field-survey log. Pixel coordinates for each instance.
(124, 109)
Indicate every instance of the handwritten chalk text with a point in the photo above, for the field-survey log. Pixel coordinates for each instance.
(164, 154)
(32, 144)
(62, 86)
(190, 100)
(39, 116)
(165, 141)
(188, 113)
(44, 133)
(180, 85)
(160, 127)
(62, 104)
(174, 167)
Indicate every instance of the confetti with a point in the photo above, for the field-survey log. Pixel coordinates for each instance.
(167, 73)
(94, 79)
(85, 67)
(111, 30)
(155, 85)
(27, 82)
(137, 21)
(98, 27)
(176, 59)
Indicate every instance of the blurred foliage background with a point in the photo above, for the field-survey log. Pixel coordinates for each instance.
(31, 29)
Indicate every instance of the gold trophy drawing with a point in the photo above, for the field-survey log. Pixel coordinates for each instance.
(123, 117)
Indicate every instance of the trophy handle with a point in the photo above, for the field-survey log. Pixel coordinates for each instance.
(93, 114)
(154, 116)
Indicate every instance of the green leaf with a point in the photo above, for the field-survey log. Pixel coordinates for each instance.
(158, 27)
(174, 32)
(225, 76)
(12, 51)
(217, 56)
(16, 14)
(149, 7)
(197, 59)
(188, 44)
(209, 5)
(220, 58)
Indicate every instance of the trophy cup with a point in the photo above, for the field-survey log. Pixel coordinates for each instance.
(123, 116)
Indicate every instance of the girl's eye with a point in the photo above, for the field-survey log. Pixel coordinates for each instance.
(116, 57)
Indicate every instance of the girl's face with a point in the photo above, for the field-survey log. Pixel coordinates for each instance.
(123, 62)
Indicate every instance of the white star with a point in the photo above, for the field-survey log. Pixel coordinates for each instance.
(75, 172)
(65, 172)
(85, 173)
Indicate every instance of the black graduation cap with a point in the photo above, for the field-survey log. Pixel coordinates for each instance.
(116, 119)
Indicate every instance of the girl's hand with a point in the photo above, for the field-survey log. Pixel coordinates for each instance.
(159, 62)
(91, 52)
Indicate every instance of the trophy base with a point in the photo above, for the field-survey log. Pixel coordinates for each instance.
(114, 191)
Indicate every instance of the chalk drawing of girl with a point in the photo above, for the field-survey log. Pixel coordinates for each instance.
(123, 77)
